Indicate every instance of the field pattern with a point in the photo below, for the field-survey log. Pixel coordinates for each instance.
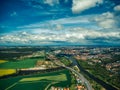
(37, 82)
(26, 63)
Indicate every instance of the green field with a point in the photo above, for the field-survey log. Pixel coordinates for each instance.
(37, 82)
(26, 63)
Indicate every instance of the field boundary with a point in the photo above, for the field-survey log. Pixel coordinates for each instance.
(11, 86)
(50, 85)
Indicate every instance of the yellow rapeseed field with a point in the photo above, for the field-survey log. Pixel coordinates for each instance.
(4, 72)
(3, 61)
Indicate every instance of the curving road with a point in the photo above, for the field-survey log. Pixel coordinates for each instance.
(83, 79)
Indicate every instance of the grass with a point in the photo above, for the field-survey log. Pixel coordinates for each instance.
(29, 86)
(26, 63)
(61, 77)
(3, 61)
(4, 72)
(65, 61)
(36, 82)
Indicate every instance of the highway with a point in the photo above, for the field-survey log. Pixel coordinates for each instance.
(83, 79)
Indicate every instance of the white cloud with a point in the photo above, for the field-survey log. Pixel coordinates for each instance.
(81, 5)
(57, 23)
(108, 23)
(51, 2)
(117, 8)
(109, 19)
(73, 35)
(106, 20)
(59, 27)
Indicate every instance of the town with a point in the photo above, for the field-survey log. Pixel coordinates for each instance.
(94, 60)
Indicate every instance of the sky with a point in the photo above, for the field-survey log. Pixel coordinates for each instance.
(60, 22)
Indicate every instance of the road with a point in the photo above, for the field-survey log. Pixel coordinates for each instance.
(102, 83)
(83, 79)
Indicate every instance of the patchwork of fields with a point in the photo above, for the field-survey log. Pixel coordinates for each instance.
(44, 81)
(37, 82)
(8, 67)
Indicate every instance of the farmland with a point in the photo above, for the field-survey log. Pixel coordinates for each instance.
(18, 64)
(7, 72)
(37, 82)
(3, 61)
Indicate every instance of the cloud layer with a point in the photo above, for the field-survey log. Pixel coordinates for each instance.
(60, 22)
(82, 5)
(80, 36)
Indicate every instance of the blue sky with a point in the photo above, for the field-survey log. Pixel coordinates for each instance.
(59, 22)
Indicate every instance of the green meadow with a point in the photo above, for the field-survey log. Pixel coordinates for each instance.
(60, 78)
(18, 64)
